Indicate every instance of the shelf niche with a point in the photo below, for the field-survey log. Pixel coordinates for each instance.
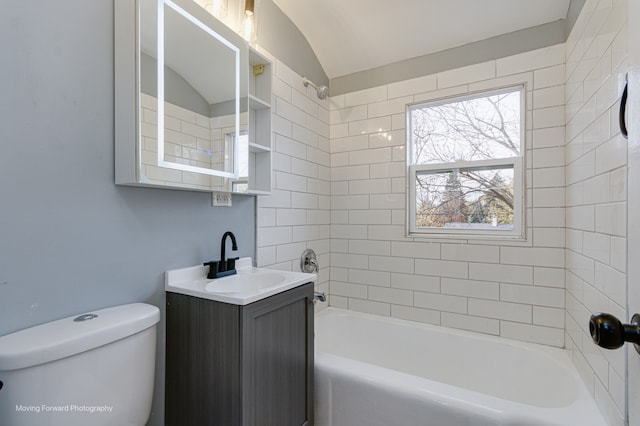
(260, 134)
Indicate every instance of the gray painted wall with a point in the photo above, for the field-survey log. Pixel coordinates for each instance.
(70, 240)
(281, 38)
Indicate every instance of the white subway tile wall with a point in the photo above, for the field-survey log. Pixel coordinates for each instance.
(340, 189)
(485, 286)
(596, 159)
(297, 215)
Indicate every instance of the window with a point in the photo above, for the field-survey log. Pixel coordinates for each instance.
(465, 158)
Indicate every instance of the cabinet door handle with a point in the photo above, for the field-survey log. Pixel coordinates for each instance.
(623, 110)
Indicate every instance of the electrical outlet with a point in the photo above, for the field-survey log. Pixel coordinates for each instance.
(221, 199)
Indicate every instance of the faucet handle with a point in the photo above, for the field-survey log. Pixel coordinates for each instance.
(213, 268)
(231, 263)
(309, 261)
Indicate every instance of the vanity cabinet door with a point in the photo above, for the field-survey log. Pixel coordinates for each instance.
(278, 359)
(202, 366)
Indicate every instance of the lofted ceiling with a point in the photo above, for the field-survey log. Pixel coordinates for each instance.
(350, 36)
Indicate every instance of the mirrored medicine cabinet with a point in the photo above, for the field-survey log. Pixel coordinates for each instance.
(192, 101)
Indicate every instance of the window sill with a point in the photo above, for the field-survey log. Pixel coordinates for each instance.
(476, 237)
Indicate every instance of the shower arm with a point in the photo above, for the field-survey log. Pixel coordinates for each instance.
(308, 82)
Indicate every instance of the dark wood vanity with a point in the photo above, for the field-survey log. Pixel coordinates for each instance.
(249, 365)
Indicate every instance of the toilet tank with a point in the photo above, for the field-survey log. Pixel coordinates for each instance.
(91, 369)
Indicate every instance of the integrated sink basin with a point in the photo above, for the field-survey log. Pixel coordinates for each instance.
(247, 286)
(255, 281)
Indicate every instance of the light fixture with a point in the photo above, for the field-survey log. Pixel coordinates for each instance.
(248, 7)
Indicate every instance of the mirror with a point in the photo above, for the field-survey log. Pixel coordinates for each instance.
(191, 87)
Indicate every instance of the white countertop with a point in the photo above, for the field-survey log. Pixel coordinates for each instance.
(193, 281)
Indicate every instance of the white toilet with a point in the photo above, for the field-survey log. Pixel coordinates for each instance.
(91, 369)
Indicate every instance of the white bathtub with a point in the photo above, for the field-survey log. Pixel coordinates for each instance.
(373, 370)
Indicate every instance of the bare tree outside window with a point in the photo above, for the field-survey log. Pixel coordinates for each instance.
(455, 134)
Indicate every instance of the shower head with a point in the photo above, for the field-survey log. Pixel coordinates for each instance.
(321, 91)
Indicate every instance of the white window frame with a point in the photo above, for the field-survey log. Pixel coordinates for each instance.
(516, 162)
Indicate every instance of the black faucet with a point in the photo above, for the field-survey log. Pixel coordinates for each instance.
(234, 245)
(223, 267)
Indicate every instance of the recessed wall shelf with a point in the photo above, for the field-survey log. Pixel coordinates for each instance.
(260, 134)
(256, 103)
(254, 147)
